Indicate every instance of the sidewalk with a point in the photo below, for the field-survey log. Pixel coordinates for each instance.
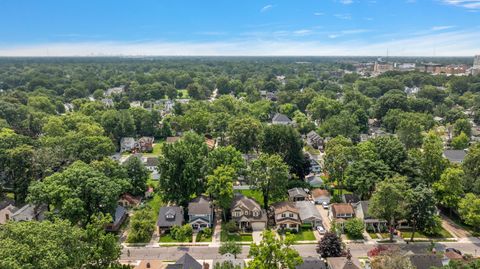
(217, 230)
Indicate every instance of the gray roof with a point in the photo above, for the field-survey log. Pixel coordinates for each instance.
(307, 210)
(281, 118)
(315, 180)
(425, 261)
(244, 201)
(350, 198)
(176, 211)
(185, 262)
(312, 263)
(5, 203)
(343, 263)
(151, 161)
(120, 213)
(297, 192)
(200, 206)
(455, 156)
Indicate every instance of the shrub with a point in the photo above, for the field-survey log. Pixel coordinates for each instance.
(231, 226)
(354, 227)
(207, 232)
(181, 233)
(141, 227)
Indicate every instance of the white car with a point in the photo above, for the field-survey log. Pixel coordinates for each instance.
(325, 205)
(321, 230)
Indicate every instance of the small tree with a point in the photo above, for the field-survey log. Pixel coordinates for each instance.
(182, 233)
(460, 141)
(330, 246)
(354, 227)
(141, 227)
(230, 247)
(469, 209)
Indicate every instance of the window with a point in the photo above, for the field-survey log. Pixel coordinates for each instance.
(256, 213)
(237, 213)
(283, 215)
(246, 213)
(290, 215)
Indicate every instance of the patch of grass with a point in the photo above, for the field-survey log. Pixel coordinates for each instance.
(407, 233)
(373, 235)
(157, 150)
(339, 192)
(167, 238)
(154, 205)
(183, 94)
(255, 194)
(237, 237)
(201, 237)
(304, 235)
(311, 150)
(350, 237)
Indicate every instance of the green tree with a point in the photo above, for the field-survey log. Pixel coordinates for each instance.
(421, 211)
(410, 133)
(230, 247)
(220, 187)
(181, 168)
(141, 227)
(182, 233)
(285, 141)
(433, 162)
(137, 175)
(362, 176)
(78, 193)
(323, 107)
(460, 141)
(471, 166)
(469, 210)
(449, 189)
(273, 253)
(462, 126)
(269, 174)
(391, 151)
(227, 156)
(245, 133)
(338, 154)
(389, 201)
(354, 227)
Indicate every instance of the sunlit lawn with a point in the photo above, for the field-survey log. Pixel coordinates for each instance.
(406, 234)
(305, 234)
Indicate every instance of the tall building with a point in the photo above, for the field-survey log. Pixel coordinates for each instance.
(476, 65)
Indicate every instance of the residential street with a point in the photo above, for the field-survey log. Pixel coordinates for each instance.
(468, 245)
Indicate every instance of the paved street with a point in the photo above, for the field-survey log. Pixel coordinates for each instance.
(357, 250)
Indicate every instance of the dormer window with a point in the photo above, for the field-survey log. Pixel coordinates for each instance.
(170, 216)
(256, 213)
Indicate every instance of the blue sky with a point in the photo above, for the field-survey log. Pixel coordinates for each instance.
(246, 27)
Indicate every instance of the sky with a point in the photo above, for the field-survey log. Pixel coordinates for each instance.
(240, 27)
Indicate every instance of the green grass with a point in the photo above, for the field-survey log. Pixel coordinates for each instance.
(202, 238)
(154, 204)
(167, 238)
(255, 194)
(157, 150)
(304, 235)
(337, 192)
(373, 235)
(183, 94)
(406, 234)
(237, 237)
(350, 237)
(311, 150)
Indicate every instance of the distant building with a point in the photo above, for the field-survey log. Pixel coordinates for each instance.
(29, 212)
(454, 155)
(476, 65)
(115, 90)
(281, 119)
(382, 67)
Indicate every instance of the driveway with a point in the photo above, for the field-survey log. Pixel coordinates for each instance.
(257, 236)
(453, 228)
(324, 214)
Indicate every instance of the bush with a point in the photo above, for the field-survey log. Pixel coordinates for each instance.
(207, 232)
(354, 227)
(231, 227)
(336, 199)
(181, 233)
(141, 227)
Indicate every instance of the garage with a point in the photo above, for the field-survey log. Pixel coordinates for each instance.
(258, 226)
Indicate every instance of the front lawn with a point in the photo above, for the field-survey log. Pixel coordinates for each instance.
(407, 234)
(373, 235)
(304, 234)
(237, 237)
(167, 238)
(157, 149)
(350, 237)
(202, 237)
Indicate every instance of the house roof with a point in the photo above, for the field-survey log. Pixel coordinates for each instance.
(30, 210)
(201, 205)
(185, 262)
(150, 161)
(297, 192)
(127, 140)
(120, 213)
(172, 139)
(455, 156)
(132, 200)
(350, 198)
(425, 261)
(152, 264)
(281, 118)
(307, 210)
(246, 202)
(319, 193)
(162, 220)
(343, 263)
(281, 207)
(5, 203)
(315, 180)
(312, 263)
(342, 209)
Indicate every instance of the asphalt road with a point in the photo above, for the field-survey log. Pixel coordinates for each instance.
(209, 253)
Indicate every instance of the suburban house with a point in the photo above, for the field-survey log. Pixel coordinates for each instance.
(128, 200)
(151, 264)
(248, 214)
(151, 163)
(145, 144)
(309, 213)
(312, 263)
(169, 216)
(200, 213)
(108, 102)
(455, 156)
(119, 217)
(361, 212)
(286, 216)
(281, 119)
(127, 144)
(185, 262)
(7, 208)
(425, 261)
(29, 212)
(319, 196)
(341, 212)
(350, 198)
(314, 140)
(314, 180)
(315, 167)
(297, 194)
(230, 259)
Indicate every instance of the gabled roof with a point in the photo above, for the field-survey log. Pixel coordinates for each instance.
(120, 213)
(312, 263)
(307, 210)
(425, 261)
(201, 205)
(185, 262)
(342, 209)
(297, 192)
(162, 220)
(281, 207)
(314, 180)
(319, 193)
(245, 202)
(455, 156)
(350, 198)
(343, 263)
(281, 118)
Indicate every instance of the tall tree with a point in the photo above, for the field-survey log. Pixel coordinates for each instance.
(245, 133)
(338, 154)
(410, 133)
(422, 212)
(285, 141)
(228, 156)
(220, 187)
(78, 192)
(181, 168)
(361, 176)
(137, 175)
(433, 162)
(391, 151)
(269, 174)
(389, 201)
(273, 253)
(469, 210)
(230, 247)
(449, 189)
(471, 166)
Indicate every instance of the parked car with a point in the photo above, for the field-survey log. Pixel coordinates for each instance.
(453, 250)
(325, 205)
(321, 230)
